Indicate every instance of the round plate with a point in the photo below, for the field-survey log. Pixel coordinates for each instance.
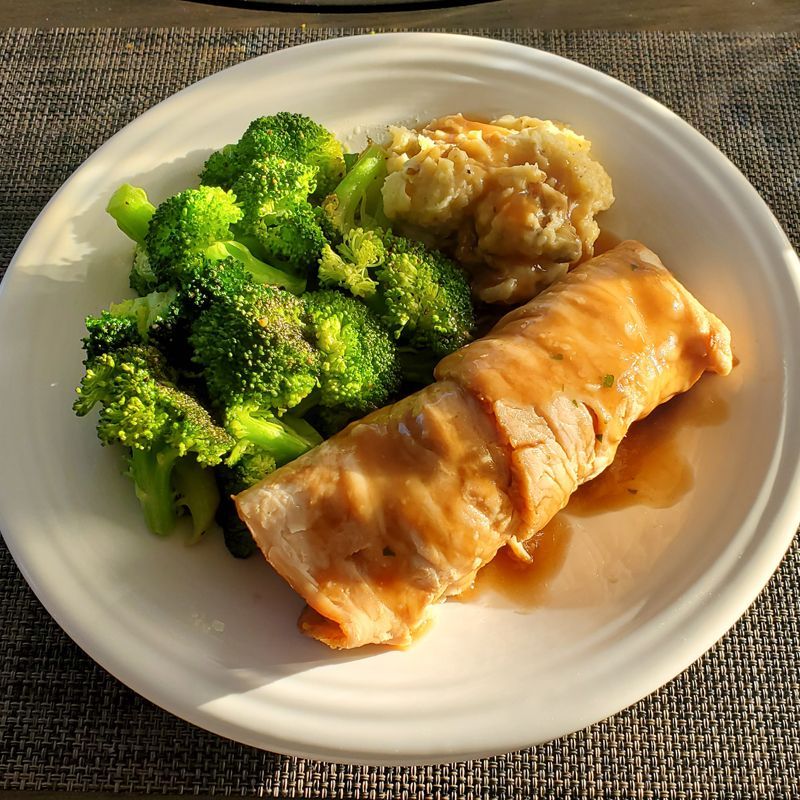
(638, 594)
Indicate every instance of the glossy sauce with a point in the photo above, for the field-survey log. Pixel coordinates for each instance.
(650, 469)
(525, 584)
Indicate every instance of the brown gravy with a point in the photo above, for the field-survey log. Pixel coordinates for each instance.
(525, 584)
(649, 469)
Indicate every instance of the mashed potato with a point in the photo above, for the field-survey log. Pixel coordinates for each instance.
(514, 200)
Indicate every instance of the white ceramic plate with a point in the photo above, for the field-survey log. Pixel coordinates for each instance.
(642, 592)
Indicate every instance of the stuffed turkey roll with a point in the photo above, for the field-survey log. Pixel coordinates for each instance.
(401, 509)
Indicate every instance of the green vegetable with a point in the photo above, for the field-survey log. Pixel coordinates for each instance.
(254, 347)
(356, 201)
(252, 464)
(278, 222)
(130, 322)
(359, 368)
(196, 491)
(349, 265)
(427, 301)
(225, 367)
(421, 296)
(143, 409)
(251, 424)
(191, 223)
(285, 135)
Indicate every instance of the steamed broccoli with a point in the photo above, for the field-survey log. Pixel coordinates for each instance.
(270, 187)
(195, 221)
(349, 265)
(356, 200)
(426, 298)
(286, 135)
(278, 222)
(276, 209)
(142, 279)
(196, 491)
(421, 295)
(209, 280)
(295, 241)
(254, 347)
(130, 322)
(253, 425)
(188, 223)
(358, 358)
(251, 465)
(132, 211)
(143, 409)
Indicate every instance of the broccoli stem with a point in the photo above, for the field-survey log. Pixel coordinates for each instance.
(197, 491)
(151, 471)
(358, 193)
(132, 211)
(302, 428)
(259, 271)
(283, 442)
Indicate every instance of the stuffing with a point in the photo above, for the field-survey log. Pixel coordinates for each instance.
(514, 200)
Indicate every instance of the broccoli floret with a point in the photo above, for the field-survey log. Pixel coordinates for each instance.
(258, 270)
(421, 296)
(132, 212)
(191, 223)
(221, 168)
(356, 201)
(426, 297)
(188, 223)
(211, 280)
(358, 358)
(271, 187)
(286, 135)
(278, 223)
(143, 409)
(251, 466)
(295, 241)
(130, 322)
(349, 264)
(196, 491)
(254, 347)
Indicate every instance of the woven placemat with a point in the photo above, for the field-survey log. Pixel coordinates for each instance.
(725, 728)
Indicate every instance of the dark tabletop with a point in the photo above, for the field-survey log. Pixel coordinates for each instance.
(715, 15)
(725, 728)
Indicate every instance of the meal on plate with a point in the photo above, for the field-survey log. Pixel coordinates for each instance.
(402, 508)
(304, 362)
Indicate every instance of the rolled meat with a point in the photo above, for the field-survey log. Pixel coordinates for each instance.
(400, 510)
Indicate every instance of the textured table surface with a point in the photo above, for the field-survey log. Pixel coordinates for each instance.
(677, 15)
(728, 727)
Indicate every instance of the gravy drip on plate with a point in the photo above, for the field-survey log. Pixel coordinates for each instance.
(650, 469)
